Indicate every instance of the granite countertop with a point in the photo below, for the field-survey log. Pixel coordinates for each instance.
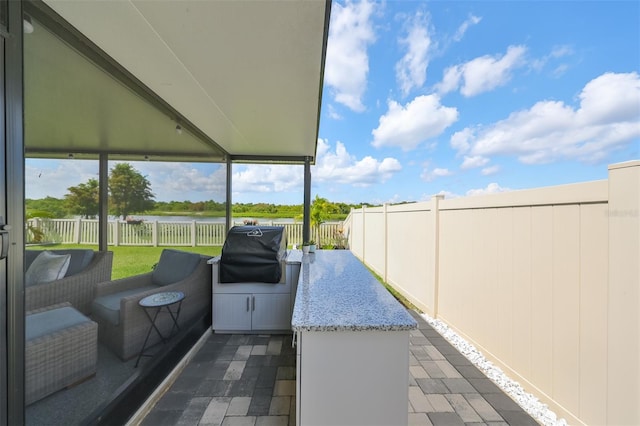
(336, 292)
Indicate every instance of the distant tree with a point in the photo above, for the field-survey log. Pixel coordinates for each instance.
(129, 191)
(83, 199)
(46, 207)
(321, 209)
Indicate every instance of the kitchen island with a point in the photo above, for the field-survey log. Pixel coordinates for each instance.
(352, 345)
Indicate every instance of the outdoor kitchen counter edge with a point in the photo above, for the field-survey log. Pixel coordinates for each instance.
(336, 292)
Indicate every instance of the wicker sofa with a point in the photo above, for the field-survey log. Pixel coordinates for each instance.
(85, 270)
(123, 324)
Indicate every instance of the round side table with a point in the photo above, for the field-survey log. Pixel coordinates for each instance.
(157, 302)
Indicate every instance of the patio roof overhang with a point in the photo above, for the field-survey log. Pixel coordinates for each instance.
(242, 79)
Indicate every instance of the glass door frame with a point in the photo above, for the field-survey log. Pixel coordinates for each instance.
(12, 320)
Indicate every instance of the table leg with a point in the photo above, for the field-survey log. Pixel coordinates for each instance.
(151, 327)
(174, 316)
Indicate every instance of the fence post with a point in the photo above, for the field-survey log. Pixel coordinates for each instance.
(435, 228)
(193, 233)
(623, 332)
(364, 231)
(385, 241)
(116, 233)
(154, 233)
(77, 231)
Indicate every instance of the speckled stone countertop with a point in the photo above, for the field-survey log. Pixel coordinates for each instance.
(336, 292)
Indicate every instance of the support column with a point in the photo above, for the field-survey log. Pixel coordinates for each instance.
(229, 203)
(623, 346)
(103, 202)
(306, 221)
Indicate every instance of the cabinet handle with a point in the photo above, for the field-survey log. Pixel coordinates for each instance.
(247, 303)
(253, 303)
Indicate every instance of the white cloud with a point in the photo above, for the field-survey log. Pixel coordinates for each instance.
(560, 70)
(411, 70)
(341, 167)
(396, 198)
(473, 162)
(333, 113)
(183, 181)
(460, 141)
(446, 194)
(169, 181)
(462, 29)
(491, 170)
(429, 175)
(482, 74)
(561, 51)
(607, 118)
(347, 62)
(49, 178)
(260, 178)
(408, 126)
(492, 188)
(558, 52)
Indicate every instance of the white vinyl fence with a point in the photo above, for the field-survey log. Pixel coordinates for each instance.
(545, 282)
(162, 233)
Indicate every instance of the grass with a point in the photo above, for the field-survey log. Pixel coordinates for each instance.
(403, 300)
(133, 260)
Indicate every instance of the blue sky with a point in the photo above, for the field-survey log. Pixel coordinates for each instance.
(451, 97)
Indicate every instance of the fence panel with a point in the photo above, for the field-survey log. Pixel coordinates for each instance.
(174, 234)
(89, 231)
(210, 234)
(135, 235)
(169, 233)
(522, 275)
(51, 230)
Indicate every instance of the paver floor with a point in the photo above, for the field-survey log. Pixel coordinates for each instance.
(250, 380)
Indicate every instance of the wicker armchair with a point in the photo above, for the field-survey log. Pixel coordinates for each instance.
(77, 289)
(123, 324)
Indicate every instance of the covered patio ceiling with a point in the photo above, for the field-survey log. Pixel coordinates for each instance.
(242, 79)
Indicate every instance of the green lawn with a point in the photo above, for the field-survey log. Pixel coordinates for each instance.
(128, 260)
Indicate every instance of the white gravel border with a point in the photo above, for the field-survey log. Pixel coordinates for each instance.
(528, 402)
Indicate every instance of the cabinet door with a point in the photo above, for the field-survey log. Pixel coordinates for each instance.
(231, 312)
(271, 312)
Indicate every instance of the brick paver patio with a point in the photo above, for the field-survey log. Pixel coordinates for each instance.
(250, 380)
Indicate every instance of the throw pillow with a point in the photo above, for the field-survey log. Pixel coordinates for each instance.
(47, 267)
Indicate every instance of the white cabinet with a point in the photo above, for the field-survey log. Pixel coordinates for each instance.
(370, 369)
(255, 312)
(252, 306)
